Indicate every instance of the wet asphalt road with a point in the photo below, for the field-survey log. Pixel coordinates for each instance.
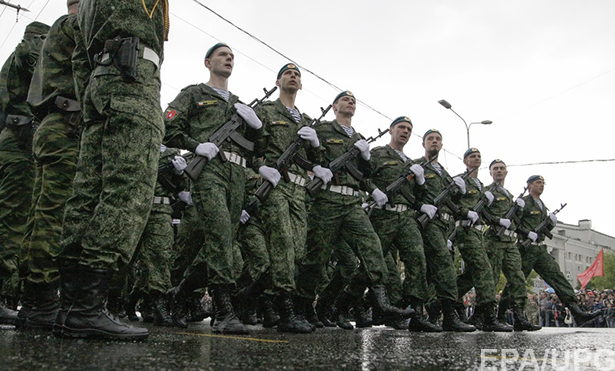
(366, 349)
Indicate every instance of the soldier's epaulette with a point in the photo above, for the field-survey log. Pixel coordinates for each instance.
(266, 103)
(306, 117)
(420, 160)
(322, 123)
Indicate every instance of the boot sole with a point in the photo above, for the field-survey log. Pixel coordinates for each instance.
(96, 334)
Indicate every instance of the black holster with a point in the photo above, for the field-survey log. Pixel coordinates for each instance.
(123, 53)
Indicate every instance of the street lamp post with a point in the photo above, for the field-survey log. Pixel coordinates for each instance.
(447, 105)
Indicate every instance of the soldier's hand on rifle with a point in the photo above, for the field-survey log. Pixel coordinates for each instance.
(207, 149)
(307, 133)
(419, 174)
(186, 197)
(323, 173)
(505, 223)
(532, 236)
(247, 113)
(553, 218)
(380, 197)
(244, 217)
(490, 197)
(363, 146)
(472, 216)
(520, 202)
(460, 183)
(179, 163)
(429, 210)
(272, 175)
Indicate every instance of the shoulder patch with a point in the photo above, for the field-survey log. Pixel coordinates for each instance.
(207, 103)
(170, 114)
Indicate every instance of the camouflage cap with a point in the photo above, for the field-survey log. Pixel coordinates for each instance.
(496, 161)
(401, 119)
(288, 66)
(431, 131)
(343, 94)
(36, 28)
(470, 151)
(213, 48)
(534, 178)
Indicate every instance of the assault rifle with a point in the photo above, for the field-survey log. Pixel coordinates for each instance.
(424, 219)
(510, 215)
(544, 227)
(282, 164)
(397, 186)
(343, 161)
(467, 223)
(168, 166)
(225, 132)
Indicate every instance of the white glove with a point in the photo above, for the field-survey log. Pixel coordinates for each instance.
(429, 210)
(363, 146)
(505, 223)
(244, 217)
(461, 184)
(323, 173)
(249, 116)
(186, 197)
(449, 244)
(520, 202)
(179, 163)
(473, 216)
(380, 197)
(272, 175)
(553, 218)
(532, 236)
(419, 173)
(207, 149)
(307, 133)
(490, 198)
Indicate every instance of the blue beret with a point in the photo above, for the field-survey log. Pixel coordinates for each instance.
(343, 94)
(288, 66)
(534, 178)
(496, 161)
(213, 48)
(470, 151)
(400, 119)
(431, 131)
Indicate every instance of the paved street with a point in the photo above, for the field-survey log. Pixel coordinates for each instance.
(376, 348)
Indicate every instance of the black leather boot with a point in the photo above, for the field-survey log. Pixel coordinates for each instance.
(226, 321)
(450, 320)
(300, 305)
(289, 322)
(44, 304)
(311, 316)
(196, 308)
(68, 290)
(270, 316)
(361, 318)
(418, 323)
(131, 308)
(162, 316)
(177, 297)
(490, 322)
(87, 316)
(380, 300)
(322, 311)
(7, 315)
(343, 303)
(580, 316)
(521, 322)
(434, 311)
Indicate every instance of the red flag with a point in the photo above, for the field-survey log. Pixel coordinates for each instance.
(596, 270)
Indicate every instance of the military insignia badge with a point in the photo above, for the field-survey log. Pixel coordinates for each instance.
(170, 114)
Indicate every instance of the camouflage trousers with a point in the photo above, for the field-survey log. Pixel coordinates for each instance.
(505, 257)
(16, 182)
(328, 222)
(187, 245)
(55, 148)
(537, 258)
(478, 272)
(441, 274)
(400, 236)
(116, 173)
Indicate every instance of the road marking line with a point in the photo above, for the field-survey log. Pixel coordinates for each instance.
(233, 337)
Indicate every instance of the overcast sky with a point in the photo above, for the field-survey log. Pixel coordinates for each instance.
(542, 71)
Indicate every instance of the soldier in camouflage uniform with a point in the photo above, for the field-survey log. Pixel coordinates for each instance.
(16, 164)
(195, 114)
(117, 75)
(284, 214)
(502, 250)
(396, 225)
(478, 272)
(336, 212)
(440, 268)
(55, 148)
(536, 256)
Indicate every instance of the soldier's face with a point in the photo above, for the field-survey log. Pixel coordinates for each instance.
(290, 81)
(345, 105)
(537, 187)
(221, 62)
(432, 143)
(400, 133)
(498, 172)
(473, 160)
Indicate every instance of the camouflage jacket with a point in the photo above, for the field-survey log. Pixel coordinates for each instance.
(532, 216)
(435, 183)
(502, 202)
